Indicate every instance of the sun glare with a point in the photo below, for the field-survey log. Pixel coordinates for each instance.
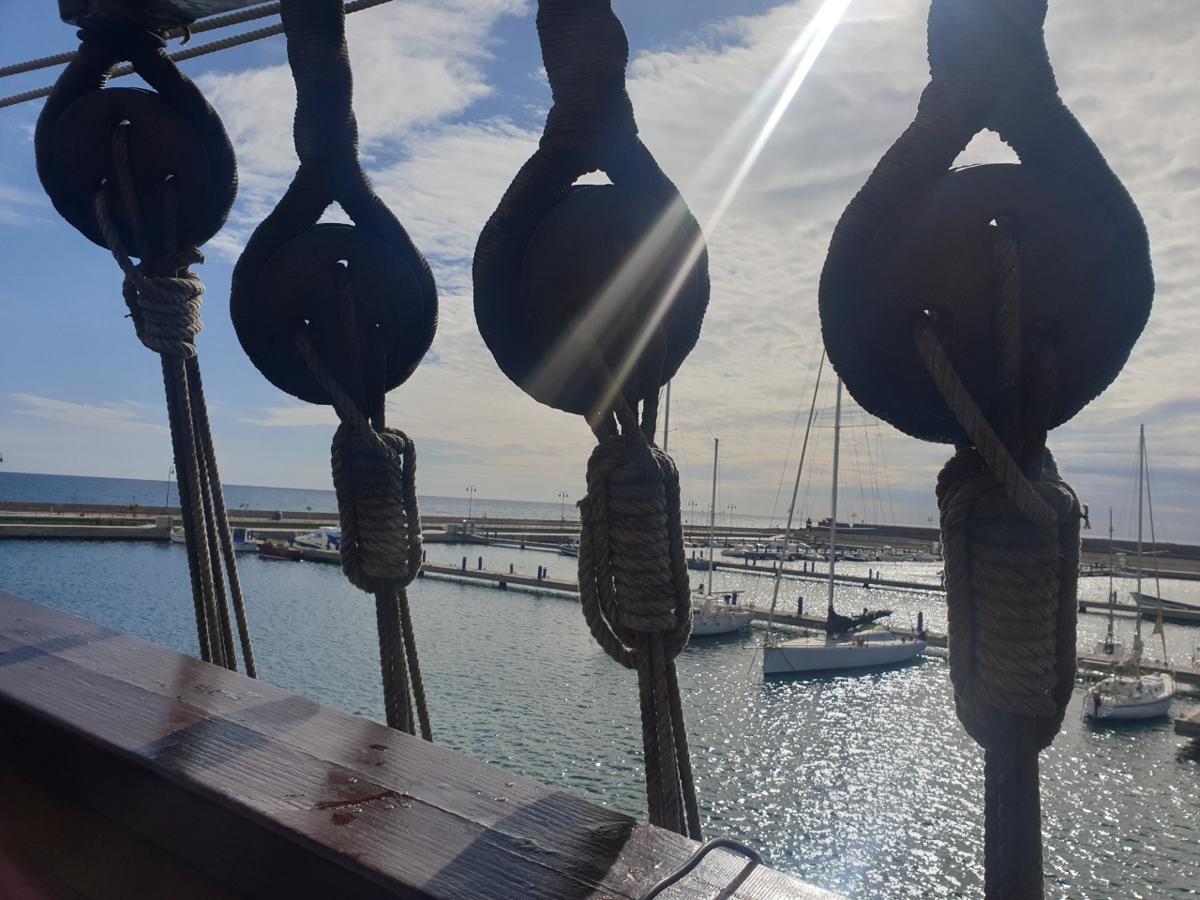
(725, 168)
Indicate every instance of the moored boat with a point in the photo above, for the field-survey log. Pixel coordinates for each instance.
(845, 647)
(713, 615)
(278, 550)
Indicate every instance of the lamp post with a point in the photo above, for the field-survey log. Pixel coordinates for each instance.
(562, 507)
(470, 500)
(731, 508)
(167, 498)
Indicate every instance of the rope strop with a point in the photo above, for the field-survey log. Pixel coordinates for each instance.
(1024, 288)
(101, 155)
(340, 314)
(590, 297)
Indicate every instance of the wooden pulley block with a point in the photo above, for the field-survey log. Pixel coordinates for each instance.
(163, 146)
(609, 274)
(299, 288)
(932, 259)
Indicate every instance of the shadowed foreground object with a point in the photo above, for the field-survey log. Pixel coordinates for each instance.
(203, 783)
(984, 307)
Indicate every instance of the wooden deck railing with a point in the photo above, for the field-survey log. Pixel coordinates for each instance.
(128, 770)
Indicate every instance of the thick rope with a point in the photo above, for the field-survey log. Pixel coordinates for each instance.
(226, 43)
(1010, 534)
(636, 600)
(163, 297)
(374, 477)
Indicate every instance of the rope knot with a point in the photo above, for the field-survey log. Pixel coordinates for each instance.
(633, 575)
(165, 308)
(1010, 586)
(374, 478)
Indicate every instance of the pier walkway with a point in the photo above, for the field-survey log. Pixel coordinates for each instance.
(816, 575)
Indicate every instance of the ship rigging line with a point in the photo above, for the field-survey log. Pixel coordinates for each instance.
(226, 43)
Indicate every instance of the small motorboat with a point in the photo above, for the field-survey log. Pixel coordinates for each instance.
(278, 550)
(243, 539)
(327, 537)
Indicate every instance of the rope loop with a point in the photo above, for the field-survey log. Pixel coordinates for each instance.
(633, 574)
(986, 50)
(175, 136)
(585, 52)
(283, 276)
(374, 477)
(917, 235)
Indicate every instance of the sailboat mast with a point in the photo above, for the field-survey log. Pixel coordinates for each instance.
(1112, 596)
(712, 516)
(787, 529)
(837, 440)
(667, 419)
(1141, 489)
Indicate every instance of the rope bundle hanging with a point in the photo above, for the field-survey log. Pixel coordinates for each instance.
(590, 297)
(339, 315)
(1024, 287)
(152, 175)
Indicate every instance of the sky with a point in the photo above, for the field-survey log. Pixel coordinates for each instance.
(767, 145)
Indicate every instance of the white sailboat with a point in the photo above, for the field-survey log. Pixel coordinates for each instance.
(1131, 693)
(844, 647)
(711, 614)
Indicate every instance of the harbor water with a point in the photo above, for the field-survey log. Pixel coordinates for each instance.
(865, 784)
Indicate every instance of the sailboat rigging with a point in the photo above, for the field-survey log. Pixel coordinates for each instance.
(1131, 693)
(712, 615)
(844, 647)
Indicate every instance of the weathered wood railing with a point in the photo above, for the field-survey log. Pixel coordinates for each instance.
(128, 770)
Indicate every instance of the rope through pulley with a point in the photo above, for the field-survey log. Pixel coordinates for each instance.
(1024, 288)
(341, 314)
(151, 175)
(590, 297)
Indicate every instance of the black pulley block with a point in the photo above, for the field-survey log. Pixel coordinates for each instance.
(613, 288)
(931, 259)
(298, 288)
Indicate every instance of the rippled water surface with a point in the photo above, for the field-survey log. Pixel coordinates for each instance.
(862, 784)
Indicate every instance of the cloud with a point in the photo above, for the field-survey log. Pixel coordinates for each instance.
(127, 416)
(442, 144)
(18, 207)
(416, 64)
(293, 416)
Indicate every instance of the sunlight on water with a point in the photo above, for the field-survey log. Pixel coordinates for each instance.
(861, 784)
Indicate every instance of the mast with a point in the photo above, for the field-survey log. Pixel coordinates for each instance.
(787, 530)
(1109, 641)
(837, 439)
(1137, 626)
(667, 419)
(712, 516)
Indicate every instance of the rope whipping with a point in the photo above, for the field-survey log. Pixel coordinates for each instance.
(118, 204)
(340, 314)
(590, 298)
(226, 43)
(1024, 287)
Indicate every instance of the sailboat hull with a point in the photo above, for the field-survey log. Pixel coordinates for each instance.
(807, 655)
(1122, 697)
(706, 624)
